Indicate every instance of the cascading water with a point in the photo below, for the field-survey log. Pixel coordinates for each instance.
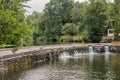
(91, 51)
(76, 53)
(107, 49)
(65, 55)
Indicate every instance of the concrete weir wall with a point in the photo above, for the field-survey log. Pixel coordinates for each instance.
(115, 49)
(27, 58)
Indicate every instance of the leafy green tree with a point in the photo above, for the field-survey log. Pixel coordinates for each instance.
(70, 29)
(56, 14)
(51, 23)
(95, 19)
(61, 18)
(117, 19)
(33, 22)
(65, 7)
(77, 12)
(12, 26)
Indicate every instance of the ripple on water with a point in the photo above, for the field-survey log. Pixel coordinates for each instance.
(85, 67)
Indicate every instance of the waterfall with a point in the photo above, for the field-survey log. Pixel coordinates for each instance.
(91, 50)
(65, 55)
(76, 53)
(107, 49)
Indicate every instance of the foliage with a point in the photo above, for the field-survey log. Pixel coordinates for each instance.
(77, 12)
(6, 46)
(66, 38)
(106, 39)
(12, 25)
(50, 22)
(66, 19)
(117, 19)
(61, 20)
(95, 20)
(33, 23)
(70, 29)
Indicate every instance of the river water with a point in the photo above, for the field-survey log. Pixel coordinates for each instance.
(81, 67)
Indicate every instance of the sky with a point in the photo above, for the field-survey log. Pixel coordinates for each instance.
(38, 5)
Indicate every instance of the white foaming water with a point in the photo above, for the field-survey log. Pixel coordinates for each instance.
(91, 51)
(65, 55)
(107, 49)
(76, 53)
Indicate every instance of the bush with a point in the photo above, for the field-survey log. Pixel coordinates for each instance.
(106, 39)
(70, 29)
(77, 38)
(6, 46)
(66, 38)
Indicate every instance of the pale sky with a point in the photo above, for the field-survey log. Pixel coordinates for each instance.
(38, 5)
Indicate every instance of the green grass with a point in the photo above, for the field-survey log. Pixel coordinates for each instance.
(6, 46)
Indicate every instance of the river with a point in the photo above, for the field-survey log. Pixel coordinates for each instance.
(81, 67)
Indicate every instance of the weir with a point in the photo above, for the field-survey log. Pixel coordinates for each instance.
(91, 50)
(107, 49)
(27, 59)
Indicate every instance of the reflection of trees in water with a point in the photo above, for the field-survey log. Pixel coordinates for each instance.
(115, 65)
(87, 67)
(84, 64)
(96, 69)
(109, 73)
(107, 59)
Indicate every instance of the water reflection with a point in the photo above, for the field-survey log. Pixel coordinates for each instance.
(91, 59)
(84, 67)
(107, 59)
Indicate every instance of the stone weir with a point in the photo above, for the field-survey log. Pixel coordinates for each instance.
(101, 47)
(26, 57)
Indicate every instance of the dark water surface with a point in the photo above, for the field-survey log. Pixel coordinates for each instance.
(82, 67)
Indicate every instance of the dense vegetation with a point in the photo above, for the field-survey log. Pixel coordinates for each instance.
(61, 21)
(13, 29)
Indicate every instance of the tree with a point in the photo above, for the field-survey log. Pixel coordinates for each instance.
(70, 29)
(53, 21)
(56, 14)
(77, 12)
(65, 7)
(12, 26)
(95, 19)
(117, 19)
(33, 22)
